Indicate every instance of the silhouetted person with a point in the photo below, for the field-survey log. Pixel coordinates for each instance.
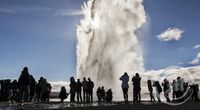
(5, 89)
(136, 88)
(195, 90)
(90, 86)
(180, 89)
(72, 89)
(33, 84)
(14, 89)
(46, 89)
(49, 91)
(196, 93)
(103, 94)
(63, 94)
(84, 83)
(78, 90)
(23, 82)
(125, 79)
(39, 89)
(150, 88)
(109, 96)
(98, 92)
(185, 86)
(166, 89)
(158, 90)
(174, 89)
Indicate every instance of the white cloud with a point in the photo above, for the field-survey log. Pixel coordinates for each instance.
(4, 10)
(41, 11)
(198, 55)
(196, 60)
(171, 34)
(68, 13)
(25, 10)
(196, 46)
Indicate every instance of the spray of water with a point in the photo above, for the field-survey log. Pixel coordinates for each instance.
(107, 45)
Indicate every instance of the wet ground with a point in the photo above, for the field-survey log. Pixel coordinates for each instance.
(48, 106)
(96, 106)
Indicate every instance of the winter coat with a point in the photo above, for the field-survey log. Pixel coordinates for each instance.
(63, 94)
(136, 83)
(78, 86)
(158, 87)
(180, 85)
(124, 79)
(174, 86)
(44, 87)
(84, 84)
(72, 87)
(90, 85)
(24, 79)
(149, 85)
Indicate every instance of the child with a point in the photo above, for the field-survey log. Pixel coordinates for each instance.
(109, 95)
(99, 94)
(63, 95)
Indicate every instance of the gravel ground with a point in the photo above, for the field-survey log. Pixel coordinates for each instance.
(96, 106)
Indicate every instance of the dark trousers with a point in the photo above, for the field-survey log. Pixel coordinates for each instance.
(84, 95)
(178, 95)
(38, 95)
(79, 96)
(125, 92)
(151, 96)
(90, 96)
(174, 95)
(23, 93)
(136, 96)
(14, 95)
(167, 96)
(45, 96)
(72, 96)
(32, 93)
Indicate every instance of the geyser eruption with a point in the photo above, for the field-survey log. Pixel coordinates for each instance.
(107, 44)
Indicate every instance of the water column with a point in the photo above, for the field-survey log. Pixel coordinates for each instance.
(107, 45)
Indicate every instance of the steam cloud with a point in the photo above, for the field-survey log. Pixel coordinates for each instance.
(107, 45)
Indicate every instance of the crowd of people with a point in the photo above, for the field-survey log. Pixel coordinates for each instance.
(181, 90)
(77, 88)
(25, 89)
(104, 96)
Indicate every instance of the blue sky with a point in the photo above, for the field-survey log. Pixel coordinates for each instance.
(163, 14)
(41, 34)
